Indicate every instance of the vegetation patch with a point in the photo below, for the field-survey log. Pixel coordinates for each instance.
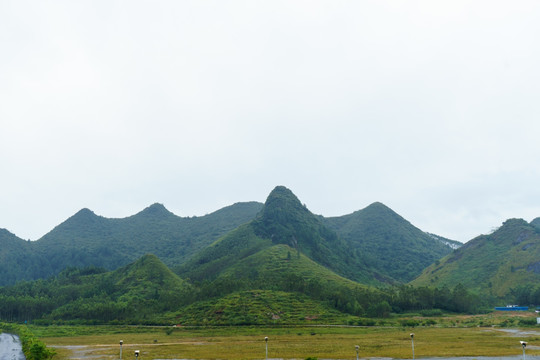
(32, 347)
(259, 307)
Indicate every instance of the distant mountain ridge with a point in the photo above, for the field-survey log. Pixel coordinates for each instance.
(86, 239)
(387, 242)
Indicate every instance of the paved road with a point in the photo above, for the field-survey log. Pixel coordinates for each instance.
(10, 347)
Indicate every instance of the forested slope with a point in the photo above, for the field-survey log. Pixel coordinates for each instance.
(86, 239)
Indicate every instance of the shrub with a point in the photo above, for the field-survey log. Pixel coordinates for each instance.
(408, 323)
(431, 312)
(366, 322)
(527, 322)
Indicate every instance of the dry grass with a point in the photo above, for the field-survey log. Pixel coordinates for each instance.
(289, 343)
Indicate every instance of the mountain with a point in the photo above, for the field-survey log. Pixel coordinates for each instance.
(145, 276)
(492, 265)
(285, 248)
(389, 244)
(18, 259)
(372, 245)
(283, 220)
(86, 239)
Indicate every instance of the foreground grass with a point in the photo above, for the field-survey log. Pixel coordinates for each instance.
(286, 343)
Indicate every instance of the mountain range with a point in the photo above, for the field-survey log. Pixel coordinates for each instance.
(86, 239)
(371, 245)
(203, 268)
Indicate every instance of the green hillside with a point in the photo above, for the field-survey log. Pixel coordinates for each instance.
(133, 293)
(146, 291)
(284, 220)
(86, 239)
(282, 260)
(387, 243)
(279, 264)
(260, 307)
(492, 265)
(225, 252)
(371, 246)
(268, 286)
(18, 259)
(286, 248)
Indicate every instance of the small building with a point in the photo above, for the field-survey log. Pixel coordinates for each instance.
(512, 308)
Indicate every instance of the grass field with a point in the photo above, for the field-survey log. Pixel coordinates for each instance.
(102, 342)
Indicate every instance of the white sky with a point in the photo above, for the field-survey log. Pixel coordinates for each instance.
(431, 107)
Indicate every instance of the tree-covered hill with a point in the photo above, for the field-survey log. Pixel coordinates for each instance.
(389, 244)
(285, 290)
(86, 239)
(18, 259)
(371, 245)
(282, 220)
(146, 291)
(503, 264)
(133, 293)
(286, 248)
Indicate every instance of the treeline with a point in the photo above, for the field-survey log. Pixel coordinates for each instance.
(526, 295)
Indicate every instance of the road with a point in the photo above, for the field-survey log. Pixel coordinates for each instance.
(10, 347)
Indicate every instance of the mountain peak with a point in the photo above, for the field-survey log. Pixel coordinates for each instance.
(284, 220)
(148, 269)
(156, 210)
(84, 212)
(83, 216)
(6, 235)
(281, 192)
(282, 197)
(282, 210)
(380, 208)
(6, 232)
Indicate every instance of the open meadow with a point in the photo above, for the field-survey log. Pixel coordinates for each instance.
(322, 342)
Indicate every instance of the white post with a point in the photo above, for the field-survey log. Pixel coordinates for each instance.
(266, 341)
(412, 342)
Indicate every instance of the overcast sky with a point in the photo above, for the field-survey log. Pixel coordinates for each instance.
(431, 107)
